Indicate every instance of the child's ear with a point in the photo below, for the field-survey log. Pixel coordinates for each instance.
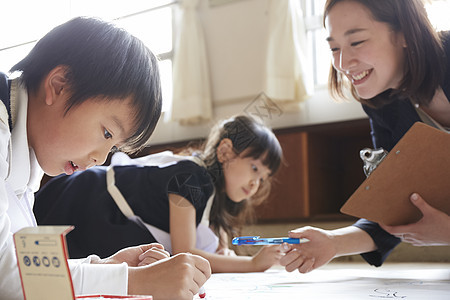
(225, 151)
(55, 84)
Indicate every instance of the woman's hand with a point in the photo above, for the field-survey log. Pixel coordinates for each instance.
(266, 257)
(310, 255)
(433, 229)
(323, 246)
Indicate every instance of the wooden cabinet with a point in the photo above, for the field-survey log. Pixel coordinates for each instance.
(322, 168)
(290, 190)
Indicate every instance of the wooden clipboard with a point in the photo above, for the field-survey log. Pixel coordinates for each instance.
(420, 162)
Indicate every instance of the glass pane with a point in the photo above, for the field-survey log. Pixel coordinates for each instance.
(154, 28)
(318, 7)
(318, 46)
(10, 57)
(112, 9)
(323, 56)
(25, 21)
(438, 14)
(165, 68)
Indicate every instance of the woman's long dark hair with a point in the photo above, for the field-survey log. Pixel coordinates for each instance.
(258, 142)
(424, 54)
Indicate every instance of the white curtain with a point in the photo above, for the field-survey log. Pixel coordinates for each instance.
(288, 81)
(191, 84)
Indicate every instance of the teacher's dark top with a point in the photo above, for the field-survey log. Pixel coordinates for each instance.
(388, 125)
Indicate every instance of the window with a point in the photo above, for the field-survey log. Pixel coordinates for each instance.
(438, 13)
(150, 21)
(316, 34)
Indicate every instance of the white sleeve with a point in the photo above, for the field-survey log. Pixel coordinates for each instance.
(91, 278)
(10, 285)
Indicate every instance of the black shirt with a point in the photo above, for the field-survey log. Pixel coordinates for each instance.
(82, 200)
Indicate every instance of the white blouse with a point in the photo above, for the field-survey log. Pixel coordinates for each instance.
(20, 176)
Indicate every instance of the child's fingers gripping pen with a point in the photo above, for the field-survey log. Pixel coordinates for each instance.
(202, 292)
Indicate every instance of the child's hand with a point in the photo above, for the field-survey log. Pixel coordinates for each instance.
(132, 255)
(226, 252)
(266, 257)
(178, 277)
(152, 255)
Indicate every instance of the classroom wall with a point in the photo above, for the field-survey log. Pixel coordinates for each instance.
(236, 37)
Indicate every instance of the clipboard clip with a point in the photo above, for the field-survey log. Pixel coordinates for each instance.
(372, 158)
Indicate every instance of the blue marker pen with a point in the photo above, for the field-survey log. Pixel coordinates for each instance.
(256, 240)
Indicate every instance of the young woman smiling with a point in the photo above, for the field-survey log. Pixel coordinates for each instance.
(393, 62)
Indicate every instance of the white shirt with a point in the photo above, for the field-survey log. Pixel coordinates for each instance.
(20, 176)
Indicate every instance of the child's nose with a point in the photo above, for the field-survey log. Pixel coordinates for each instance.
(102, 158)
(92, 162)
(98, 157)
(254, 183)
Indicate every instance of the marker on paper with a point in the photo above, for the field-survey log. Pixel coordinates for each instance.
(202, 292)
(256, 240)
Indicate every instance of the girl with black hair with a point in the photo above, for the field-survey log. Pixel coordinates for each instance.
(190, 203)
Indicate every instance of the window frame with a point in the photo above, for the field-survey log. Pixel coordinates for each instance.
(13, 52)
